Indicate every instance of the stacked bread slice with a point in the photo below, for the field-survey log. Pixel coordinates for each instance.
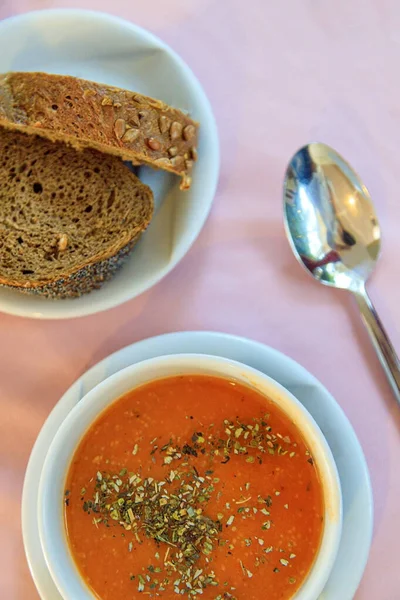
(70, 209)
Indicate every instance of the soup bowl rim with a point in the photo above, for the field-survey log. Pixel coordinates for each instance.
(52, 481)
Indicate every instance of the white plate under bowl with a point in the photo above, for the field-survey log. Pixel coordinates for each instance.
(107, 49)
(349, 458)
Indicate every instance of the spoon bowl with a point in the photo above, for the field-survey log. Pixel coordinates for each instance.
(333, 230)
(330, 219)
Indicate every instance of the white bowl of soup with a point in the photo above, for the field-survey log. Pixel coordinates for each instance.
(192, 476)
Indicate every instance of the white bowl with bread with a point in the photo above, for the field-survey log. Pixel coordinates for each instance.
(109, 163)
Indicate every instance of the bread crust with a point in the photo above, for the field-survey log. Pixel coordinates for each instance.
(84, 280)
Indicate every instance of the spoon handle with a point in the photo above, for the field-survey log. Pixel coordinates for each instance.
(380, 339)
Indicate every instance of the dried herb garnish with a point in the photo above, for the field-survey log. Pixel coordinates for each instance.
(169, 512)
(189, 450)
(172, 511)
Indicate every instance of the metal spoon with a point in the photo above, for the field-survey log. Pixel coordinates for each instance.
(334, 233)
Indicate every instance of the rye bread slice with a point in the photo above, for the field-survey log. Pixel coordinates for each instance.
(67, 218)
(93, 115)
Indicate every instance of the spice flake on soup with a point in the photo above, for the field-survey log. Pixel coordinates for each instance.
(196, 486)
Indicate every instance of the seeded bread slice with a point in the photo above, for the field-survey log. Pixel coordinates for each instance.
(67, 218)
(92, 115)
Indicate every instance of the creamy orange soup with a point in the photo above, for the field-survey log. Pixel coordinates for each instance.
(193, 486)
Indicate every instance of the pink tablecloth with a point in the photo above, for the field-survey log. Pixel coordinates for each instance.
(278, 74)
